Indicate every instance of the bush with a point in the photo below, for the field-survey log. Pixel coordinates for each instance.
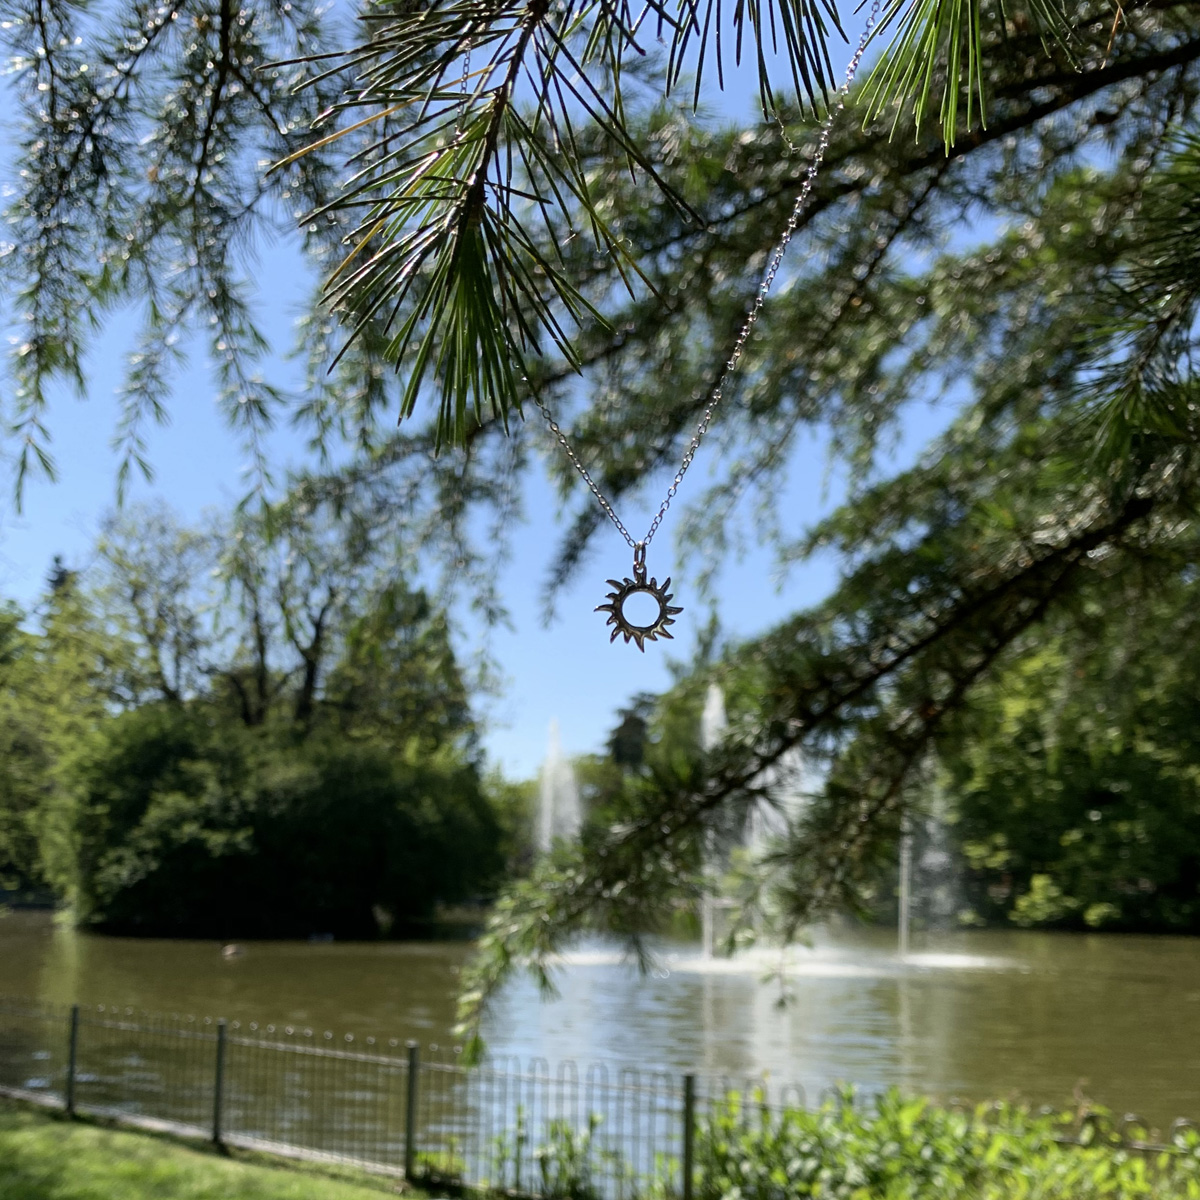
(910, 1149)
(189, 826)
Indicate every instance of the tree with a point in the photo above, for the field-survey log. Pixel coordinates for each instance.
(155, 588)
(475, 181)
(194, 827)
(255, 728)
(294, 578)
(1073, 776)
(22, 756)
(493, 134)
(1066, 492)
(888, 192)
(140, 133)
(60, 677)
(397, 678)
(292, 613)
(858, 336)
(627, 742)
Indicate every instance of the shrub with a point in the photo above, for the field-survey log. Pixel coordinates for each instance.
(910, 1149)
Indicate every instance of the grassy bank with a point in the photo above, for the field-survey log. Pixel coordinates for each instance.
(46, 1158)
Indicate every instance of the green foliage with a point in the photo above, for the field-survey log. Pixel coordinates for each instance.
(627, 742)
(189, 828)
(297, 612)
(151, 595)
(568, 1161)
(488, 124)
(1075, 776)
(1019, 518)
(468, 181)
(140, 131)
(59, 681)
(941, 46)
(514, 804)
(466, 198)
(254, 730)
(443, 1165)
(910, 1149)
(22, 755)
(568, 1165)
(397, 678)
(1145, 386)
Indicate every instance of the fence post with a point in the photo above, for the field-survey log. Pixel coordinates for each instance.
(410, 1114)
(689, 1135)
(219, 1083)
(72, 1057)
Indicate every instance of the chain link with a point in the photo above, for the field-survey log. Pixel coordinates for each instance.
(730, 365)
(464, 91)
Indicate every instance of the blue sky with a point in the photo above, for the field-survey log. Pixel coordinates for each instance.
(566, 671)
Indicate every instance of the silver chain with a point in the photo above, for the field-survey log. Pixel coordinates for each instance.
(464, 92)
(730, 365)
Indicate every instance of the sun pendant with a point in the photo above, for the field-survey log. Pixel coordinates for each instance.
(622, 590)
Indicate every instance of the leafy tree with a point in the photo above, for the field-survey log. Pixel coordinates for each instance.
(141, 127)
(291, 614)
(483, 222)
(59, 680)
(1075, 779)
(155, 590)
(627, 742)
(860, 335)
(255, 728)
(474, 165)
(294, 577)
(22, 755)
(514, 803)
(192, 827)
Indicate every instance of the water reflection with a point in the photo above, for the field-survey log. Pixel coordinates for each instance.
(975, 1014)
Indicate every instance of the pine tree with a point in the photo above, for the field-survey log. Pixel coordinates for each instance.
(1064, 492)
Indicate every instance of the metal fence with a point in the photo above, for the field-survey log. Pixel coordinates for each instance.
(387, 1106)
(505, 1126)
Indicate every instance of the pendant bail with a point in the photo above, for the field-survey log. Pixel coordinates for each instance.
(639, 560)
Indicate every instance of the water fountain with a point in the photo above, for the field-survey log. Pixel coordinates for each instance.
(938, 869)
(559, 812)
(765, 1000)
(765, 823)
(929, 875)
(904, 905)
(713, 723)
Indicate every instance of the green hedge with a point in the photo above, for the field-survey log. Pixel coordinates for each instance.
(892, 1149)
(911, 1149)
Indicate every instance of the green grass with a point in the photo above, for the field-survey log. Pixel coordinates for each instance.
(46, 1158)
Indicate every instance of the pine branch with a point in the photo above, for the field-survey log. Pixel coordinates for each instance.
(136, 169)
(217, 89)
(871, 672)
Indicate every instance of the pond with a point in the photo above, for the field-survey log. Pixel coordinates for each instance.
(978, 1014)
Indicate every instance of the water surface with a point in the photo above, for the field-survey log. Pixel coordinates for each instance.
(975, 1015)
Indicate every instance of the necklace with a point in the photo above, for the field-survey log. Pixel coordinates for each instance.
(640, 632)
